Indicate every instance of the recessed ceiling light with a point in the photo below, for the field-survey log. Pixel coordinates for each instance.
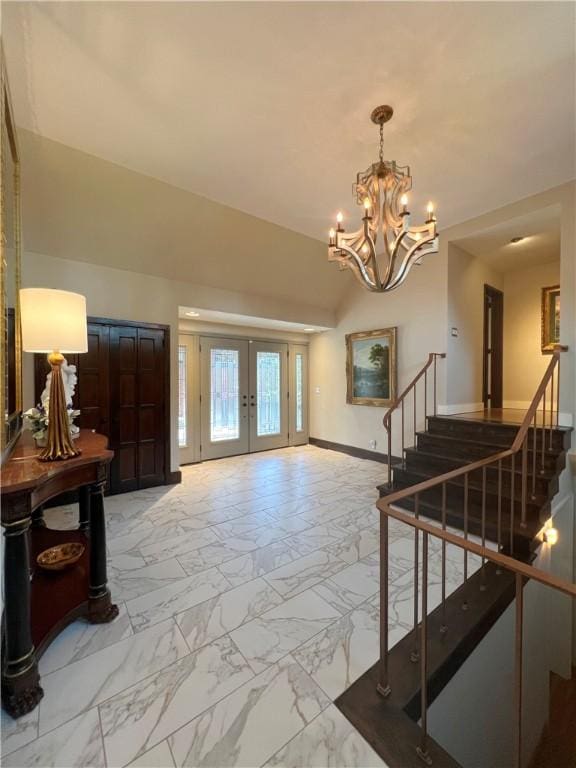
(309, 330)
(192, 314)
(517, 239)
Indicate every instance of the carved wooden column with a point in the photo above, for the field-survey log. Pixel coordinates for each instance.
(84, 509)
(100, 606)
(21, 689)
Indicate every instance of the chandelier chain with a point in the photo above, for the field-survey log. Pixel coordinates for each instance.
(381, 142)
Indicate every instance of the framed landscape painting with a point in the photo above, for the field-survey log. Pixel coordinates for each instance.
(371, 367)
(550, 318)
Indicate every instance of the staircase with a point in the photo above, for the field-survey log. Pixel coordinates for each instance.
(451, 442)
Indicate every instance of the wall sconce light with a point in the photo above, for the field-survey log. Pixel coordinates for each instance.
(550, 536)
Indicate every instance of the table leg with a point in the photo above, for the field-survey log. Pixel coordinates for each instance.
(84, 509)
(101, 609)
(38, 518)
(21, 689)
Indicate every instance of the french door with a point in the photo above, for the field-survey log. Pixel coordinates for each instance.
(243, 396)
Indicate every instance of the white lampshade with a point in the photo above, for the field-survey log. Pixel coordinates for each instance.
(53, 320)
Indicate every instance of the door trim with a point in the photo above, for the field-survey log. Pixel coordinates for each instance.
(496, 351)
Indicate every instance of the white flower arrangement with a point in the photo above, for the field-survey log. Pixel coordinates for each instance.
(36, 420)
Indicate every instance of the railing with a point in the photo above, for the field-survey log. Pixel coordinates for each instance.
(402, 402)
(536, 435)
(522, 572)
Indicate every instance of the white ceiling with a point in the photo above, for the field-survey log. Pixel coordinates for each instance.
(541, 243)
(230, 318)
(265, 106)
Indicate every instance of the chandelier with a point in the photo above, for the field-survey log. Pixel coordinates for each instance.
(382, 191)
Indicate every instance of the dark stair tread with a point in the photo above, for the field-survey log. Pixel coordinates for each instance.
(491, 489)
(458, 419)
(498, 447)
(524, 537)
(546, 475)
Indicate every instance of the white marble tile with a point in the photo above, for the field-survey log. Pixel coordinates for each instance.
(258, 562)
(180, 545)
(342, 598)
(164, 603)
(357, 545)
(134, 541)
(301, 574)
(159, 756)
(249, 726)
(275, 633)
(241, 525)
(146, 713)
(76, 744)
(17, 732)
(343, 651)
(316, 537)
(81, 639)
(126, 584)
(329, 741)
(362, 578)
(85, 683)
(221, 614)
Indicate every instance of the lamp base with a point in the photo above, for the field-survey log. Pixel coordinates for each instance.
(58, 443)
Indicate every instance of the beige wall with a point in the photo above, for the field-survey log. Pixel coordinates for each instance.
(467, 276)
(418, 310)
(124, 295)
(524, 363)
(80, 207)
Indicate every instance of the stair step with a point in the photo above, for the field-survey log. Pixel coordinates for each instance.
(469, 450)
(433, 464)
(525, 541)
(455, 488)
(493, 433)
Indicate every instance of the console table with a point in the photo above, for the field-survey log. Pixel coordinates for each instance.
(38, 604)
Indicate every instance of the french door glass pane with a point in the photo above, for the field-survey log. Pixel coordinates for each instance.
(182, 395)
(268, 389)
(224, 395)
(299, 393)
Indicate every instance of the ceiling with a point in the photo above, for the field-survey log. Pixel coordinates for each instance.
(230, 318)
(540, 231)
(265, 106)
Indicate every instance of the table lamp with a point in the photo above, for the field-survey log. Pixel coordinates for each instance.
(54, 321)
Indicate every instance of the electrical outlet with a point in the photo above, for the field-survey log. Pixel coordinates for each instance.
(372, 444)
(317, 390)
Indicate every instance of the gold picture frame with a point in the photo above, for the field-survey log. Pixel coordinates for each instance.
(371, 367)
(550, 318)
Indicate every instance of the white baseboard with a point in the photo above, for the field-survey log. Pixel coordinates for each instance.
(451, 410)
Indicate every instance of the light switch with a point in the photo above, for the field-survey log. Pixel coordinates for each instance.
(317, 390)
(454, 332)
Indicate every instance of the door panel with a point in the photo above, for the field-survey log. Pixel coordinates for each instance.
(224, 397)
(124, 404)
(151, 403)
(268, 395)
(298, 390)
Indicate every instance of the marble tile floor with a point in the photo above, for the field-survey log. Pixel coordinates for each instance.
(248, 599)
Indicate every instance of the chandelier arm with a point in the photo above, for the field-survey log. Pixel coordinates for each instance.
(415, 252)
(393, 257)
(361, 266)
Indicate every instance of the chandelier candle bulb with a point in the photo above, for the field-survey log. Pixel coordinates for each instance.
(384, 249)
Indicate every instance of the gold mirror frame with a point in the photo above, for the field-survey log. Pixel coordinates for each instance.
(9, 154)
(390, 335)
(550, 323)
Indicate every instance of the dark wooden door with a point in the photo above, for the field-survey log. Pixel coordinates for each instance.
(123, 383)
(151, 402)
(493, 357)
(124, 408)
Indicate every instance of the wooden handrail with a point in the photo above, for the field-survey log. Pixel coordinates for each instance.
(515, 448)
(407, 390)
(399, 401)
(510, 563)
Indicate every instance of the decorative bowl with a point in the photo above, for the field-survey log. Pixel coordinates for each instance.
(61, 556)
